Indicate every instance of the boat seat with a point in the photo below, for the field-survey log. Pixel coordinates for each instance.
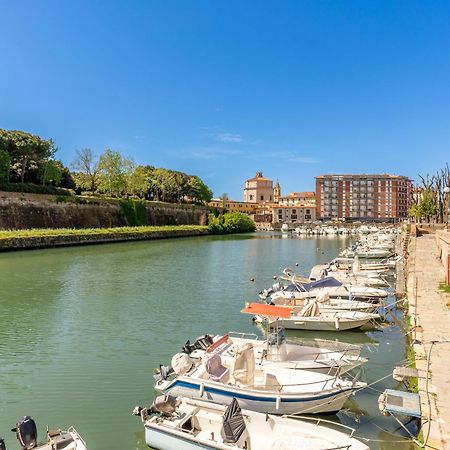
(216, 371)
(271, 382)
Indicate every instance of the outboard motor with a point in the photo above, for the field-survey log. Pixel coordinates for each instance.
(201, 343)
(163, 372)
(26, 433)
(2, 444)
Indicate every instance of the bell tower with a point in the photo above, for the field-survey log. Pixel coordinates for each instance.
(277, 192)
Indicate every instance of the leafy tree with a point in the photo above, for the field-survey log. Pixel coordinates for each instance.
(87, 169)
(428, 204)
(140, 181)
(51, 172)
(114, 171)
(5, 161)
(199, 191)
(25, 149)
(414, 212)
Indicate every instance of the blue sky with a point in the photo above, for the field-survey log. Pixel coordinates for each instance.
(225, 88)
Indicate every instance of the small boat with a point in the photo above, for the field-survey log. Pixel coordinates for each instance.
(347, 277)
(326, 304)
(275, 351)
(26, 434)
(174, 423)
(367, 253)
(318, 321)
(330, 286)
(220, 376)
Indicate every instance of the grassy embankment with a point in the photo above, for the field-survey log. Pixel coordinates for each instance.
(56, 232)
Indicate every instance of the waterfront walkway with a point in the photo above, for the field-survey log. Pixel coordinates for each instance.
(431, 317)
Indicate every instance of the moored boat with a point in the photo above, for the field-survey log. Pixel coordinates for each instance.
(219, 377)
(171, 424)
(57, 439)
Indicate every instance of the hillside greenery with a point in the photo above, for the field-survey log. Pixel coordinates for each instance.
(27, 160)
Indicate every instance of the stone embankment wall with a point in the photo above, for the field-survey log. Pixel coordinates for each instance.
(443, 243)
(24, 212)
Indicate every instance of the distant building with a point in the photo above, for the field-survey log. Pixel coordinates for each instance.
(298, 198)
(233, 206)
(363, 197)
(259, 190)
(299, 214)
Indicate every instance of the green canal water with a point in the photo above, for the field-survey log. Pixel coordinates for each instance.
(83, 328)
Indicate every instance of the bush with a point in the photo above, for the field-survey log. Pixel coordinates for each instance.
(134, 211)
(33, 189)
(231, 222)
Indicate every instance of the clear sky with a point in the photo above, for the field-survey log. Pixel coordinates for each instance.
(225, 88)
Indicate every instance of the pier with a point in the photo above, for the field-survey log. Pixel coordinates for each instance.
(430, 334)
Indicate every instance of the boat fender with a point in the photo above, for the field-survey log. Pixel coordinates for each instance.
(278, 403)
(382, 404)
(336, 323)
(202, 389)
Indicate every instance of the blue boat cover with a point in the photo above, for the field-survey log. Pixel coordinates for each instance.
(323, 283)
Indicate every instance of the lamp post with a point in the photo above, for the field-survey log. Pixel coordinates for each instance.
(446, 205)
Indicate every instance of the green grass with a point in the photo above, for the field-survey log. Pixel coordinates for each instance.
(444, 287)
(45, 232)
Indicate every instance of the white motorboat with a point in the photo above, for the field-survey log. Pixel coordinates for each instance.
(372, 269)
(313, 319)
(347, 277)
(171, 424)
(367, 253)
(327, 304)
(330, 286)
(26, 434)
(219, 377)
(275, 351)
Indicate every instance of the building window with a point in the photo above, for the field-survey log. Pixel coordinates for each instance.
(251, 197)
(262, 197)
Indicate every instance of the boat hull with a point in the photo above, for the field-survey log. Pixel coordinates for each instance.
(321, 325)
(321, 402)
(159, 439)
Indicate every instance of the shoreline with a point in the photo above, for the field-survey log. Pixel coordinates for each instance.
(53, 238)
(430, 327)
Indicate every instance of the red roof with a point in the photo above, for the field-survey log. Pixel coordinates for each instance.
(267, 310)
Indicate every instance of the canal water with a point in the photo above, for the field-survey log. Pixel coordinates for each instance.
(83, 328)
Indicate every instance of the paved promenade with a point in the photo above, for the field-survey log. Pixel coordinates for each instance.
(431, 316)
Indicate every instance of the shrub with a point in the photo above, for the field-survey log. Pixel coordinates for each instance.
(33, 189)
(231, 222)
(134, 211)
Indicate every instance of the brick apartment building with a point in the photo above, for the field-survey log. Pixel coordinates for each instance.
(377, 198)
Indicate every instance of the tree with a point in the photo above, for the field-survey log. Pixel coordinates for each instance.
(114, 170)
(25, 149)
(199, 191)
(87, 169)
(428, 205)
(5, 161)
(51, 172)
(224, 198)
(139, 181)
